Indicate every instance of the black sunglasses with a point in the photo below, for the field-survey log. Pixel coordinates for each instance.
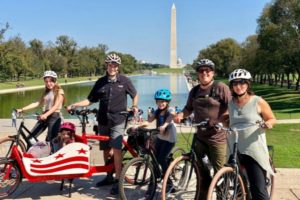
(239, 82)
(202, 70)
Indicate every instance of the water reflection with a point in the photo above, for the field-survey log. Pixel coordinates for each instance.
(145, 85)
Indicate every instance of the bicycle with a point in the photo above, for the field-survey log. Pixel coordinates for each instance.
(139, 177)
(69, 162)
(26, 139)
(184, 172)
(230, 181)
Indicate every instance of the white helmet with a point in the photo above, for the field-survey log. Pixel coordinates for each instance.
(205, 63)
(239, 74)
(113, 58)
(50, 74)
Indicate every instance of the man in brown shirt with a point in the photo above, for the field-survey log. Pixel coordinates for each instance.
(208, 100)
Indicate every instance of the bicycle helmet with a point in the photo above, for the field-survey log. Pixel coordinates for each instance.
(68, 126)
(239, 74)
(50, 74)
(113, 58)
(205, 63)
(163, 94)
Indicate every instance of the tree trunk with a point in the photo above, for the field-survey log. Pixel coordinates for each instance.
(298, 80)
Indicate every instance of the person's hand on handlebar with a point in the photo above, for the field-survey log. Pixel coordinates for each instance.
(178, 118)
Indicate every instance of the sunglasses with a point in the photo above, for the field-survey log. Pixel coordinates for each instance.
(202, 70)
(239, 82)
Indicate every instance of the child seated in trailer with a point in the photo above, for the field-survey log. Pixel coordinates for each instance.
(65, 136)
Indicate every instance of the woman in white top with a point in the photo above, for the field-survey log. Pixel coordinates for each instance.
(52, 100)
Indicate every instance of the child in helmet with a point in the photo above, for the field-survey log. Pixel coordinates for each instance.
(65, 136)
(164, 122)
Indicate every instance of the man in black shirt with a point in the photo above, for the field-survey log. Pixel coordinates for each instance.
(111, 92)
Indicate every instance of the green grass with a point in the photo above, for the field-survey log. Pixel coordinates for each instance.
(36, 82)
(285, 139)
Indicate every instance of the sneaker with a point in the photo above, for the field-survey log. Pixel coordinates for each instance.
(108, 180)
(115, 189)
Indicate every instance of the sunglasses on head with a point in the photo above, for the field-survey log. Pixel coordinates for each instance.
(239, 82)
(202, 70)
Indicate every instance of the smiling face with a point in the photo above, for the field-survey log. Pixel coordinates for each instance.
(239, 86)
(112, 69)
(49, 82)
(205, 75)
(161, 104)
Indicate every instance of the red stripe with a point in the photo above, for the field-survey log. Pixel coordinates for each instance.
(65, 167)
(71, 159)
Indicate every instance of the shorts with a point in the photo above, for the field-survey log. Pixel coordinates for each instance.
(115, 133)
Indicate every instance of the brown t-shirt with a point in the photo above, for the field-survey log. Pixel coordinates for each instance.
(210, 103)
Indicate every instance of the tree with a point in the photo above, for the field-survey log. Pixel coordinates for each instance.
(66, 47)
(225, 54)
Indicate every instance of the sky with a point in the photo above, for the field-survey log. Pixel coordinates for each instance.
(137, 27)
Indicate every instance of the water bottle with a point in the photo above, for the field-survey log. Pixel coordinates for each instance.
(208, 165)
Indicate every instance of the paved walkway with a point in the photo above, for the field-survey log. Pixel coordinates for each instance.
(287, 180)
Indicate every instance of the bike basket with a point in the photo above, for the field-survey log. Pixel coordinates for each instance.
(138, 138)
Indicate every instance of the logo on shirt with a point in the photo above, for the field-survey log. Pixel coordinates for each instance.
(120, 86)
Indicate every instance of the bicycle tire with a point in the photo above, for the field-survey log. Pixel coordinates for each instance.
(184, 177)
(177, 151)
(142, 184)
(222, 186)
(10, 184)
(5, 146)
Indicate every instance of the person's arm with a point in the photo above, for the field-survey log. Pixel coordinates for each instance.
(82, 103)
(58, 102)
(134, 106)
(29, 107)
(162, 129)
(266, 113)
(181, 115)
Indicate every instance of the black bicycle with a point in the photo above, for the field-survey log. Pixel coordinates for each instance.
(231, 181)
(184, 172)
(140, 176)
(24, 136)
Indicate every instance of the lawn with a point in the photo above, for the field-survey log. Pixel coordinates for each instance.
(285, 139)
(36, 82)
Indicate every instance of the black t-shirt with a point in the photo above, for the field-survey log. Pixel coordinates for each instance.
(112, 97)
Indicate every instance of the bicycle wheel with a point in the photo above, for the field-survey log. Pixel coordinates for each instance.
(222, 185)
(177, 151)
(181, 180)
(142, 180)
(10, 177)
(6, 145)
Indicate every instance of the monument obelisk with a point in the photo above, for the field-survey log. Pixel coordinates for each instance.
(173, 46)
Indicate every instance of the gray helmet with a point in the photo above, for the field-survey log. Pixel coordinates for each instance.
(205, 63)
(113, 58)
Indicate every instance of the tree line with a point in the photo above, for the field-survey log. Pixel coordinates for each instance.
(272, 55)
(64, 56)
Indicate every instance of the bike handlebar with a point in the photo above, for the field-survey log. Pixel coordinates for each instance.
(260, 124)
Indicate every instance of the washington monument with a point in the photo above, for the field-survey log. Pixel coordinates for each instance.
(173, 42)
